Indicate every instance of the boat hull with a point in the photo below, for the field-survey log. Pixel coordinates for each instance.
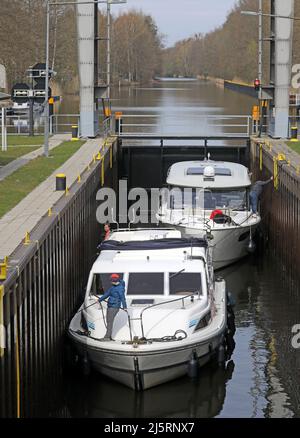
(229, 244)
(143, 370)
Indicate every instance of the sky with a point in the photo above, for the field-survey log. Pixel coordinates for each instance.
(179, 19)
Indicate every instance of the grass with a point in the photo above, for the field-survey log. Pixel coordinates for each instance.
(19, 145)
(18, 185)
(295, 145)
(25, 140)
(14, 152)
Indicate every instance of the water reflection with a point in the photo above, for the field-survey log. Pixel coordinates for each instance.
(184, 398)
(198, 108)
(262, 369)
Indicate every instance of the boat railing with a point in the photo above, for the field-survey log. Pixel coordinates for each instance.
(183, 299)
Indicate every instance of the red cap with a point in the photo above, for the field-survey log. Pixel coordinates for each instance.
(115, 276)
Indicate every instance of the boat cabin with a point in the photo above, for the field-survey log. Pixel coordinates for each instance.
(208, 185)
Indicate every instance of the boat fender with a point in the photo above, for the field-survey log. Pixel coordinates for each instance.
(230, 299)
(251, 247)
(193, 366)
(86, 366)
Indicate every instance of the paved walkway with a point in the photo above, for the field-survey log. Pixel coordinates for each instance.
(24, 217)
(10, 168)
(280, 147)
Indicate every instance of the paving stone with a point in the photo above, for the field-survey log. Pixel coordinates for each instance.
(25, 216)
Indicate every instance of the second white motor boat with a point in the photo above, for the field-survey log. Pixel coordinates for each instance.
(177, 316)
(211, 198)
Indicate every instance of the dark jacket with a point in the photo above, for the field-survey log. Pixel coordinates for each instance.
(115, 295)
(258, 186)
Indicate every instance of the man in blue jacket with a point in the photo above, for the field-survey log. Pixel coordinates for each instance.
(256, 191)
(116, 298)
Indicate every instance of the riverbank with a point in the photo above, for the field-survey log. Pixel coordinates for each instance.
(234, 85)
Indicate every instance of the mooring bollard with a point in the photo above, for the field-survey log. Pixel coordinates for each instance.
(294, 133)
(74, 132)
(61, 182)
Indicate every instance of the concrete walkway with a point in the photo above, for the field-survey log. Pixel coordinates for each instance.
(24, 217)
(280, 147)
(10, 168)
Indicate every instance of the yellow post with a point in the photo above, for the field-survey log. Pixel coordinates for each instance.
(261, 157)
(79, 179)
(50, 212)
(111, 156)
(2, 331)
(6, 260)
(74, 133)
(67, 191)
(294, 136)
(99, 156)
(3, 271)
(27, 240)
(102, 172)
(276, 173)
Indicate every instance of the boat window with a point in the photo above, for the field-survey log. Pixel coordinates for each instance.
(184, 283)
(181, 199)
(149, 283)
(219, 171)
(101, 283)
(178, 198)
(230, 198)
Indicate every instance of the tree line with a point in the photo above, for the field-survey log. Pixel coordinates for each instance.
(136, 42)
(230, 51)
(138, 53)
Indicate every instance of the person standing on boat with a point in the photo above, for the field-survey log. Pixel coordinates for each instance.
(107, 231)
(255, 192)
(116, 299)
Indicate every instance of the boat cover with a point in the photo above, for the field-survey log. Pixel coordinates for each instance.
(114, 245)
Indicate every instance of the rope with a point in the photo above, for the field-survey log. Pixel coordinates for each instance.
(171, 338)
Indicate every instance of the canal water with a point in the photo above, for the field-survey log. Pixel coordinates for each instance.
(262, 378)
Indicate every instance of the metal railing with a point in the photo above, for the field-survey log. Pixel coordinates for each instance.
(59, 124)
(192, 295)
(19, 124)
(62, 123)
(156, 124)
(265, 126)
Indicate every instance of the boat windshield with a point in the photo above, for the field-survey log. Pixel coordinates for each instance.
(180, 199)
(150, 283)
(101, 283)
(185, 283)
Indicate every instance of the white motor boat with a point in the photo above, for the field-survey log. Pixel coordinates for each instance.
(211, 198)
(177, 316)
